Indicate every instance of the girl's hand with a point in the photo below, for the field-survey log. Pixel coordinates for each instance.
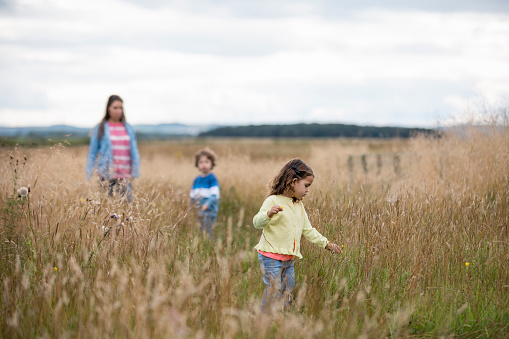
(333, 248)
(204, 208)
(274, 210)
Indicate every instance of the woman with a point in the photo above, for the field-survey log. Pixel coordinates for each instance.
(113, 150)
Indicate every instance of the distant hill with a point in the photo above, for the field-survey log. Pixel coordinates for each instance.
(43, 132)
(71, 132)
(313, 131)
(171, 130)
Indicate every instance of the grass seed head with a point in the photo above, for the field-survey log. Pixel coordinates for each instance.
(23, 192)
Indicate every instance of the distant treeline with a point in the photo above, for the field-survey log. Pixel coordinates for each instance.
(315, 131)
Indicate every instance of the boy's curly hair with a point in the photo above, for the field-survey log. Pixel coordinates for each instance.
(293, 169)
(205, 152)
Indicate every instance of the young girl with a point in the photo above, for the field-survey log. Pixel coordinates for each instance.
(113, 146)
(283, 220)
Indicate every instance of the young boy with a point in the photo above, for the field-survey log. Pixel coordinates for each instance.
(205, 191)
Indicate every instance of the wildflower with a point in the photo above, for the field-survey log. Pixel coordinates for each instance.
(23, 192)
(467, 264)
(82, 199)
(282, 208)
(342, 245)
(114, 216)
(55, 269)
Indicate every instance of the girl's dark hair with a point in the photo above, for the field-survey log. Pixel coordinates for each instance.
(106, 117)
(293, 169)
(206, 152)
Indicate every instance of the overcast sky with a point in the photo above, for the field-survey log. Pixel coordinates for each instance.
(235, 62)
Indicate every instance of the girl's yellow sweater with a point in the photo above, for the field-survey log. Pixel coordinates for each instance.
(281, 233)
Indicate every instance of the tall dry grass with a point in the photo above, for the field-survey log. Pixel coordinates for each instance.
(407, 237)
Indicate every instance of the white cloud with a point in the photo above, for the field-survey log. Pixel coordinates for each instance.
(457, 103)
(326, 114)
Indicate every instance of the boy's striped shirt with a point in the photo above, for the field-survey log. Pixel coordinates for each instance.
(205, 187)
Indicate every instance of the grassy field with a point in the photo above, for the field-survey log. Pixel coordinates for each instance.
(423, 224)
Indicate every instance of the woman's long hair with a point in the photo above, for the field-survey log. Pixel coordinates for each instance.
(293, 169)
(111, 100)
